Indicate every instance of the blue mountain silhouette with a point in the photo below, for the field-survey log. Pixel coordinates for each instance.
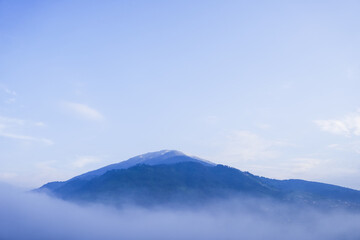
(173, 178)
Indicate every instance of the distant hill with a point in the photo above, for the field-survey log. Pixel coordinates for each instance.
(173, 178)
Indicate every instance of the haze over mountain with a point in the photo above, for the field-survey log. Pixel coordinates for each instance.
(173, 178)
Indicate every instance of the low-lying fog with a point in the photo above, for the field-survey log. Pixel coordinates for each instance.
(35, 216)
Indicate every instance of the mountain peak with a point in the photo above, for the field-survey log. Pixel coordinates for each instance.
(161, 153)
(150, 158)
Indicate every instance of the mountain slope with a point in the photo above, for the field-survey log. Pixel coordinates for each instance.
(170, 177)
(161, 184)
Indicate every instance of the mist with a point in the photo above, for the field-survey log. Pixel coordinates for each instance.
(25, 215)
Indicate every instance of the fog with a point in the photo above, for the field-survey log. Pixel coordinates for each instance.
(25, 215)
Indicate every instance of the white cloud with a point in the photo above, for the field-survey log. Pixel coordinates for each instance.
(334, 146)
(327, 170)
(26, 138)
(245, 145)
(84, 111)
(6, 120)
(349, 146)
(9, 125)
(4, 176)
(10, 92)
(10, 95)
(346, 126)
(302, 165)
(10, 100)
(40, 124)
(82, 161)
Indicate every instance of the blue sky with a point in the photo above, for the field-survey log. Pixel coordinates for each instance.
(271, 87)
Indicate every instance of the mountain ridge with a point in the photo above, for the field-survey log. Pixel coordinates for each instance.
(168, 177)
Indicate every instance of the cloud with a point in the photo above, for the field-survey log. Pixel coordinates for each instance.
(40, 217)
(349, 146)
(246, 145)
(7, 120)
(7, 175)
(9, 125)
(83, 111)
(10, 100)
(10, 95)
(27, 138)
(40, 124)
(82, 161)
(10, 92)
(250, 151)
(346, 126)
(303, 165)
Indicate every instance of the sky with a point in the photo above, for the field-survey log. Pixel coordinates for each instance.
(269, 87)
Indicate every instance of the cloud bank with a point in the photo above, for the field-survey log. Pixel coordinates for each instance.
(32, 216)
(347, 126)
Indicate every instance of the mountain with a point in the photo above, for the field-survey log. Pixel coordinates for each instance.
(173, 178)
(166, 157)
